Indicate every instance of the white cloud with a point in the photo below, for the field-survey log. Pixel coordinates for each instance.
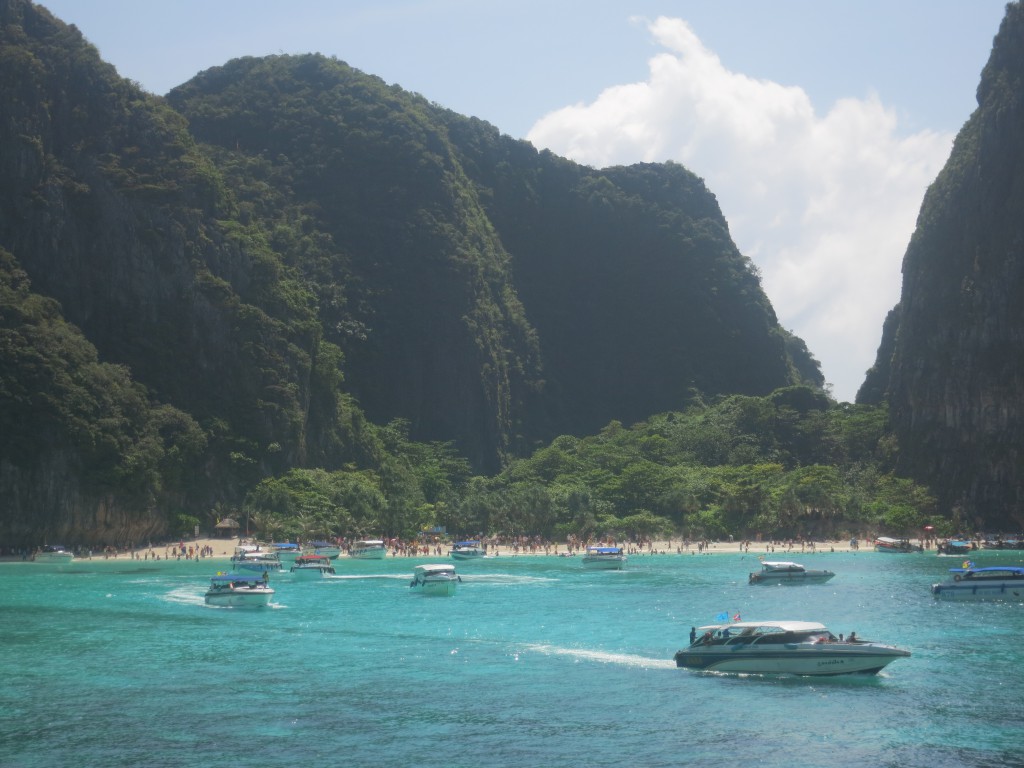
(825, 205)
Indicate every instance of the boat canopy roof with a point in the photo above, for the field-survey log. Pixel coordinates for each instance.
(321, 544)
(369, 543)
(605, 550)
(769, 626)
(778, 565)
(221, 578)
(890, 540)
(435, 568)
(285, 545)
(467, 544)
(992, 569)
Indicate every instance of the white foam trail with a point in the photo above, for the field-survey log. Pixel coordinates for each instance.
(625, 659)
(504, 578)
(185, 596)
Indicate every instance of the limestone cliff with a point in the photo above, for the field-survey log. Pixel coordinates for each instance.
(956, 388)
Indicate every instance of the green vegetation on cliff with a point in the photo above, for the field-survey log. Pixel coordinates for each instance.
(303, 294)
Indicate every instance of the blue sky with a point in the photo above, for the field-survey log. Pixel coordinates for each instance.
(817, 124)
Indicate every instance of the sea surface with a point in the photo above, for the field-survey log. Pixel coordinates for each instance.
(533, 662)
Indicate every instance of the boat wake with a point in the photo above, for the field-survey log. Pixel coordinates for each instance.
(185, 596)
(503, 578)
(365, 576)
(623, 659)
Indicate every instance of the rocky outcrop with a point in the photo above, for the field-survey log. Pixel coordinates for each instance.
(956, 388)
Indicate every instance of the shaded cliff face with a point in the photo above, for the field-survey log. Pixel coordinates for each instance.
(956, 389)
(282, 237)
(505, 296)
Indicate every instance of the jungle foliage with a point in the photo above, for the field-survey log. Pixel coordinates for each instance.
(291, 291)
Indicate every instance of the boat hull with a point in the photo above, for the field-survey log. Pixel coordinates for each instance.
(435, 580)
(791, 578)
(1010, 591)
(257, 566)
(305, 572)
(432, 588)
(604, 563)
(809, 661)
(54, 558)
(466, 555)
(240, 598)
(368, 554)
(330, 552)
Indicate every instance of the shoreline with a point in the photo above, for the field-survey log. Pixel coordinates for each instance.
(221, 550)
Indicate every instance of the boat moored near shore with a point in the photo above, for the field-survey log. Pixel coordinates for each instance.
(467, 550)
(896, 546)
(53, 554)
(604, 558)
(368, 549)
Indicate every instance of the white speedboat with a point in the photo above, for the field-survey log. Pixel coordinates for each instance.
(604, 558)
(435, 579)
(53, 553)
(778, 572)
(783, 647)
(998, 582)
(326, 549)
(312, 567)
(239, 590)
(368, 549)
(258, 561)
(898, 546)
(286, 552)
(467, 550)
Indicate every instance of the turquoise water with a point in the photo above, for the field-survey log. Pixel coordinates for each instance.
(534, 662)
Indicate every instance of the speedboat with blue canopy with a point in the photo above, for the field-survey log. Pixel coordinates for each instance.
(783, 647)
(955, 547)
(997, 582)
(604, 558)
(467, 550)
(239, 590)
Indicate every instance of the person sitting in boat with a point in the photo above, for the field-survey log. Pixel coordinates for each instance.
(852, 638)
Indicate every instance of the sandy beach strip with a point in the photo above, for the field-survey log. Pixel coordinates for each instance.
(222, 549)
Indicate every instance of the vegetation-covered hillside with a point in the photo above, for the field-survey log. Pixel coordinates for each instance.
(489, 293)
(290, 290)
